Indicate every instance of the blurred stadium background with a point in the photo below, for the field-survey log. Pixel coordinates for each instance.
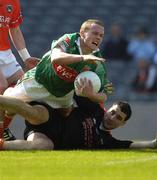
(46, 20)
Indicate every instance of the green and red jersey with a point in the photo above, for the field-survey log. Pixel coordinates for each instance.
(59, 79)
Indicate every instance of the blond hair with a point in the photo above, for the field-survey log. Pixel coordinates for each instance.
(86, 25)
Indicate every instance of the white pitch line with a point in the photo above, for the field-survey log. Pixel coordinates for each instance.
(139, 160)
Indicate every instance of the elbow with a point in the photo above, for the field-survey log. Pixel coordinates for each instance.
(56, 59)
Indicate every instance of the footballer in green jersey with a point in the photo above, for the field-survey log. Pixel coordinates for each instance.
(58, 68)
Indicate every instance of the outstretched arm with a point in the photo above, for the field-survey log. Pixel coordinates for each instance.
(60, 57)
(34, 114)
(109, 142)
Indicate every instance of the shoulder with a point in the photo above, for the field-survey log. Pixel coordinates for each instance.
(11, 4)
(65, 41)
(70, 38)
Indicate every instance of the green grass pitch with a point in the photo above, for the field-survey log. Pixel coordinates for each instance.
(83, 165)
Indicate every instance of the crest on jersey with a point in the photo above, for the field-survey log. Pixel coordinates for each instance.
(9, 8)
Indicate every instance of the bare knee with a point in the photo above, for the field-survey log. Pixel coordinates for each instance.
(40, 142)
(42, 145)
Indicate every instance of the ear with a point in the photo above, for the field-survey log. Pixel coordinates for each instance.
(82, 32)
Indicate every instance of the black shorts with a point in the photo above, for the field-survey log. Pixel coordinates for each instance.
(66, 133)
(52, 128)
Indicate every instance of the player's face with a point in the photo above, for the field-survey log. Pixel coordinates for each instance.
(114, 118)
(92, 38)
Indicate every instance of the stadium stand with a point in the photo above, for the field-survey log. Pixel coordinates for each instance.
(46, 20)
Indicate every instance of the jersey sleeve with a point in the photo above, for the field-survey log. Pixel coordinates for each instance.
(62, 43)
(17, 18)
(109, 142)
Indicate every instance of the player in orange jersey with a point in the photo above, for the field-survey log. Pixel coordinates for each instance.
(10, 20)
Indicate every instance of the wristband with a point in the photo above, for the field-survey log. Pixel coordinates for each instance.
(24, 54)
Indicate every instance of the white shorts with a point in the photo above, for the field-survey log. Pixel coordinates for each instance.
(30, 90)
(8, 63)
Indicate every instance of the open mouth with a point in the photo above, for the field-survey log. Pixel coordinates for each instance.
(95, 43)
